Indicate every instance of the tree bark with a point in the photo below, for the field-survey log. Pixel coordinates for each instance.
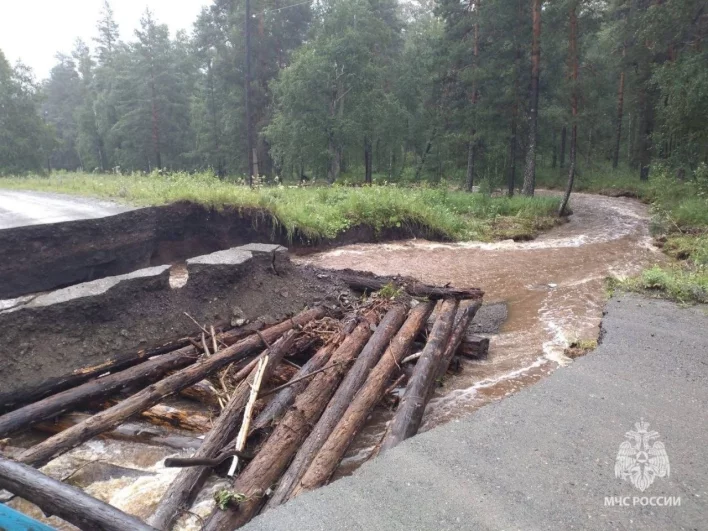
(555, 150)
(530, 169)
(364, 281)
(428, 147)
(409, 414)
(43, 452)
(462, 321)
(273, 458)
(9, 401)
(277, 407)
(620, 109)
(129, 431)
(202, 392)
(186, 485)
(354, 379)
(66, 502)
(367, 161)
(247, 95)
(474, 347)
(573, 51)
(51, 406)
(564, 134)
(471, 152)
(371, 393)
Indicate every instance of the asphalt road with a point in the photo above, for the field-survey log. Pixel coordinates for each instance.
(18, 208)
(544, 458)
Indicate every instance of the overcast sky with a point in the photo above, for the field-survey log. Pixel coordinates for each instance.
(35, 30)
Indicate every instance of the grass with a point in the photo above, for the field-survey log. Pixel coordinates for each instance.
(321, 212)
(679, 223)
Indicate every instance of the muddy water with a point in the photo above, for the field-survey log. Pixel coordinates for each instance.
(554, 288)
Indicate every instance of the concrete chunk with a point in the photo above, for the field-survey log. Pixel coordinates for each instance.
(261, 248)
(235, 256)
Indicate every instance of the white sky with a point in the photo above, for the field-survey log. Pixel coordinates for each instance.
(35, 30)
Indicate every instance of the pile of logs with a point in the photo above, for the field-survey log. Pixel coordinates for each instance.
(289, 399)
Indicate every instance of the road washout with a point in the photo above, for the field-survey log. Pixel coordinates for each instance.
(554, 287)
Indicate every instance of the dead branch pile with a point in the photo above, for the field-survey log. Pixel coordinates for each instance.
(278, 406)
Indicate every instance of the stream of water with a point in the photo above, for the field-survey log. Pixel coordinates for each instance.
(553, 286)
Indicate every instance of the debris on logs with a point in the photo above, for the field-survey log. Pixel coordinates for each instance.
(66, 502)
(45, 451)
(188, 482)
(365, 281)
(354, 379)
(275, 454)
(409, 414)
(203, 392)
(354, 418)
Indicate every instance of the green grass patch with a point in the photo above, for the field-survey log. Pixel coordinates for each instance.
(676, 282)
(319, 211)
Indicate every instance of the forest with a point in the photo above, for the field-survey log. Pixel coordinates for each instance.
(480, 92)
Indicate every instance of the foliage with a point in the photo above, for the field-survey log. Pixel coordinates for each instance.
(225, 498)
(686, 285)
(317, 212)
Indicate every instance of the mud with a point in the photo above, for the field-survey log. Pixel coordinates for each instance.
(59, 333)
(44, 257)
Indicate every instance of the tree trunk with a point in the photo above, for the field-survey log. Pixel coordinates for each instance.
(564, 134)
(151, 370)
(409, 414)
(202, 392)
(428, 147)
(354, 418)
(362, 281)
(339, 403)
(9, 401)
(620, 109)
(367, 161)
(247, 95)
(186, 485)
(573, 52)
(474, 347)
(555, 150)
(54, 446)
(462, 321)
(512, 155)
(277, 407)
(471, 149)
(140, 432)
(66, 502)
(273, 458)
(530, 169)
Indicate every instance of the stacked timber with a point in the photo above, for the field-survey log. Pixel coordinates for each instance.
(280, 405)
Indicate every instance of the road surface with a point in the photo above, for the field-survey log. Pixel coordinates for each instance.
(19, 208)
(545, 457)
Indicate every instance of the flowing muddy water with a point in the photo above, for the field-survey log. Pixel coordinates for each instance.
(554, 289)
(553, 286)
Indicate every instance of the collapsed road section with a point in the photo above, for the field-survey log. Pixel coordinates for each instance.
(282, 369)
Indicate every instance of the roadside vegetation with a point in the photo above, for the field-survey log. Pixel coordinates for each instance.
(321, 211)
(679, 224)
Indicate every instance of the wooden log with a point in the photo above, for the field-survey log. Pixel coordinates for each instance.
(66, 502)
(45, 451)
(365, 281)
(51, 406)
(203, 392)
(474, 347)
(406, 421)
(15, 399)
(342, 398)
(371, 393)
(462, 321)
(277, 407)
(129, 431)
(168, 416)
(186, 485)
(273, 458)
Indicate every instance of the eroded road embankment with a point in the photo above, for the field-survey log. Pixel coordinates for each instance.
(554, 287)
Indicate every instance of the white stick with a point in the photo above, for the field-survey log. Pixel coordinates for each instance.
(248, 412)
